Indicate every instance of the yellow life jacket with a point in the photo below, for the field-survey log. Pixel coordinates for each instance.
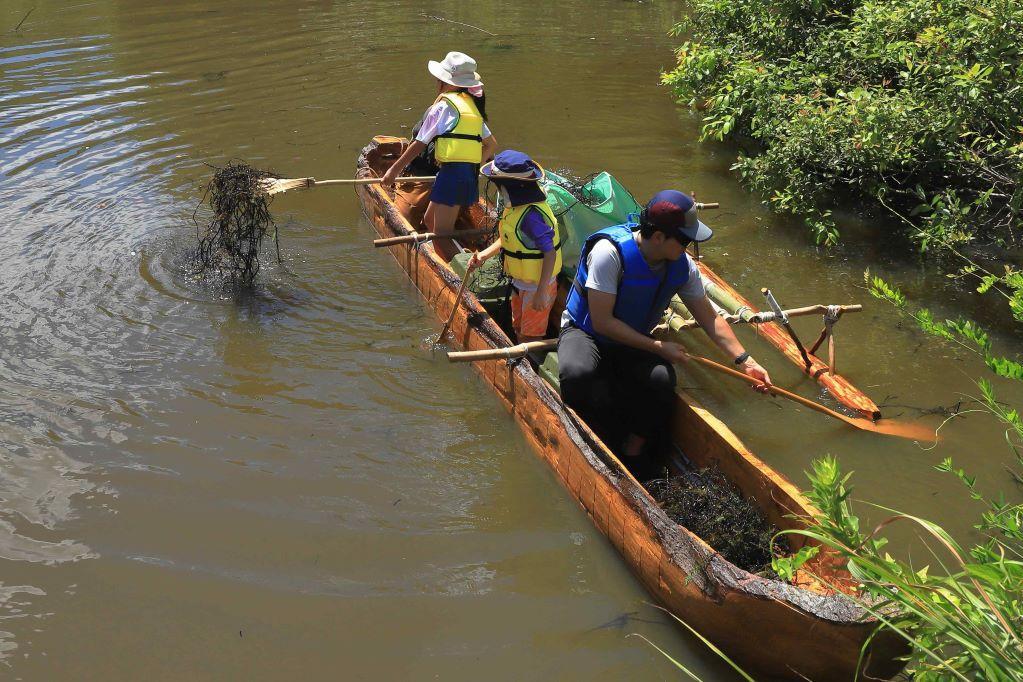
(521, 261)
(464, 142)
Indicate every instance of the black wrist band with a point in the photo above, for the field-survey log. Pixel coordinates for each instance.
(742, 358)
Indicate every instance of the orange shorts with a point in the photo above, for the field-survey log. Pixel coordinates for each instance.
(525, 320)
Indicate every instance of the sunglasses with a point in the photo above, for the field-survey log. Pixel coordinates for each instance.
(683, 240)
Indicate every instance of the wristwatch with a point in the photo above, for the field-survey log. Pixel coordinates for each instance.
(742, 358)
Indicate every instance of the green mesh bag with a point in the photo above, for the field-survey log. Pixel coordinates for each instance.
(585, 206)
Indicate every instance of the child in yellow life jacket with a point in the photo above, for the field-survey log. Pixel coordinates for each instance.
(529, 239)
(455, 126)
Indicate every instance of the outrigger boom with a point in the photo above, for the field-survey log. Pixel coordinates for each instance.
(840, 388)
(761, 317)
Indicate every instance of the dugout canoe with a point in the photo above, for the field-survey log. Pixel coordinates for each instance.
(772, 628)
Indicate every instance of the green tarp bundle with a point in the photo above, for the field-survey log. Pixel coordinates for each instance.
(583, 209)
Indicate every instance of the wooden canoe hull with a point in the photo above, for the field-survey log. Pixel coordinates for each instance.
(840, 388)
(770, 627)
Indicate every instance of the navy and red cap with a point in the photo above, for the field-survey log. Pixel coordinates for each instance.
(671, 210)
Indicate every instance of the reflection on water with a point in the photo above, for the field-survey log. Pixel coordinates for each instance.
(293, 482)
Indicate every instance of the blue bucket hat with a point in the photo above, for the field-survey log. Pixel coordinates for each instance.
(672, 211)
(517, 174)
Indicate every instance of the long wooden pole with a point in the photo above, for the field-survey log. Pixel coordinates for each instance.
(373, 181)
(454, 307)
(887, 427)
(427, 236)
(279, 185)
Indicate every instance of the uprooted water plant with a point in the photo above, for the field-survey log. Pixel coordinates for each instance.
(239, 219)
(708, 505)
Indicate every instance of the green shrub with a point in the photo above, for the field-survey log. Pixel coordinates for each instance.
(913, 105)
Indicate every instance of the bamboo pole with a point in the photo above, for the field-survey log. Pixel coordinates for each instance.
(427, 236)
(784, 320)
(279, 185)
(454, 307)
(518, 351)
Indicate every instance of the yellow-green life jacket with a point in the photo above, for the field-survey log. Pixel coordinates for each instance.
(521, 261)
(464, 142)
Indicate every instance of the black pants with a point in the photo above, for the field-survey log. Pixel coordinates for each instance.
(618, 390)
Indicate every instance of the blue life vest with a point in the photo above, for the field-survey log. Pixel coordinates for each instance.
(643, 295)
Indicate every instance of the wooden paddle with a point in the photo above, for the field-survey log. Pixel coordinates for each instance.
(279, 185)
(887, 427)
(427, 236)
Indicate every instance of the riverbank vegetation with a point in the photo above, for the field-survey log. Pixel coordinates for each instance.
(911, 108)
(962, 610)
(909, 112)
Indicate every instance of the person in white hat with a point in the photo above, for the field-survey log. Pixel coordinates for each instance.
(456, 127)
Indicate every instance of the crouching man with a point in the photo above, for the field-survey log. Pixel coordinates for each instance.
(613, 372)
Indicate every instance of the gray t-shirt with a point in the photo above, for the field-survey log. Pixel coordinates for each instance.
(604, 272)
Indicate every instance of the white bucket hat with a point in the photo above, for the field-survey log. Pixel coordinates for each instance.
(457, 69)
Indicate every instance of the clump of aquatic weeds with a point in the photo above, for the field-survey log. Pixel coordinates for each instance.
(707, 504)
(240, 218)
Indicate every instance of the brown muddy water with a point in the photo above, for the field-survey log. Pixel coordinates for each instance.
(293, 483)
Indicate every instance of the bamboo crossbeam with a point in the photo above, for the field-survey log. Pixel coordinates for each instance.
(521, 350)
(750, 317)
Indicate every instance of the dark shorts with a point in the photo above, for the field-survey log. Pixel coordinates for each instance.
(457, 184)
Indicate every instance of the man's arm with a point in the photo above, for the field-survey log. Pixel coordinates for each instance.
(720, 332)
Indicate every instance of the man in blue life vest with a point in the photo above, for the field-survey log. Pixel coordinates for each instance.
(613, 372)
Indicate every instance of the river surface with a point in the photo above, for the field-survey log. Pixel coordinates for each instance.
(293, 483)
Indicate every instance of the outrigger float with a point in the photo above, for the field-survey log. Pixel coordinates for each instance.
(806, 629)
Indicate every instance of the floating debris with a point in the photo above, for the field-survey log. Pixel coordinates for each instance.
(230, 241)
(708, 504)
